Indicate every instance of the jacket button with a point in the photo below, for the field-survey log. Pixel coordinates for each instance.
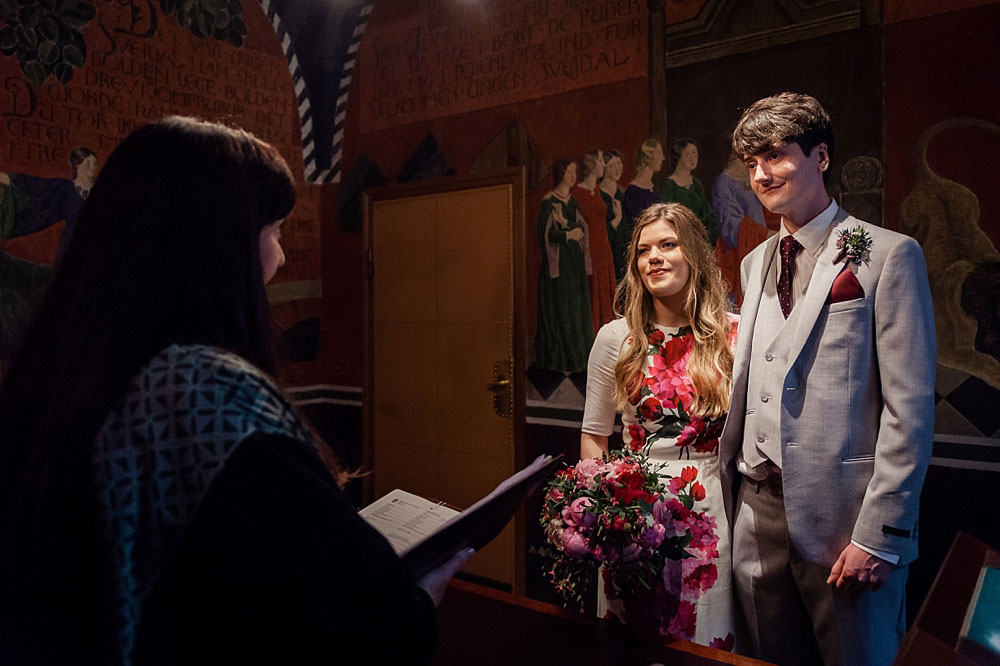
(765, 398)
(760, 438)
(768, 357)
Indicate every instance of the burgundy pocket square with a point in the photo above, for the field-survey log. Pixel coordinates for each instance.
(846, 288)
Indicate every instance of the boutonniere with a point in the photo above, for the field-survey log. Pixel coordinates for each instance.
(854, 244)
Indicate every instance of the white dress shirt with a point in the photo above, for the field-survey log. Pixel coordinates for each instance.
(812, 236)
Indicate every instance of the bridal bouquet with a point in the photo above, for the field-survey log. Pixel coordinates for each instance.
(656, 550)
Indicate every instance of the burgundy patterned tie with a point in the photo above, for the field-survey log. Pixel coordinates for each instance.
(789, 250)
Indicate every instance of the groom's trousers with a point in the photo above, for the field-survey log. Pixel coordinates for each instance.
(792, 616)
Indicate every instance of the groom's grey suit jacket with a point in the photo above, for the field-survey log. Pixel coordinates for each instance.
(857, 398)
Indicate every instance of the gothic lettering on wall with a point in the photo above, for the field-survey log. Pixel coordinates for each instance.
(458, 57)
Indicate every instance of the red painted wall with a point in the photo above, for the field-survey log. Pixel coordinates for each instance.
(936, 68)
(611, 115)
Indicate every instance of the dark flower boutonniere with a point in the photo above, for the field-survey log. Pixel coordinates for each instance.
(854, 244)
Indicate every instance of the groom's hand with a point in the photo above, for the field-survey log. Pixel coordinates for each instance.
(857, 570)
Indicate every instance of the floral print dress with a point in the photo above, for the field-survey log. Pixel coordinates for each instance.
(684, 450)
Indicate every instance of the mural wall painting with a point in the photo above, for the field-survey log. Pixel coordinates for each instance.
(963, 264)
(456, 57)
(565, 330)
(77, 76)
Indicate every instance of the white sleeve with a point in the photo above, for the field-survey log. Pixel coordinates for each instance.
(599, 410)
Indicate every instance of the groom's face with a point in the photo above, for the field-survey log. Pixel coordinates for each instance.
(786, 180)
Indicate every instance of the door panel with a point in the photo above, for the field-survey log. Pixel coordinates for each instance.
(442, 312)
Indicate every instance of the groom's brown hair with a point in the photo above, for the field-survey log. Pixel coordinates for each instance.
(784, 118)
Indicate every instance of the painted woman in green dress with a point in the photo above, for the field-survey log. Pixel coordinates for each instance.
(618, 233)
(565, 333)
(684, 187)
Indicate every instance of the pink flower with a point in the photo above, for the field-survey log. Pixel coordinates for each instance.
(586, 470)
(676, 484)
(700, 579)
(573, 543)
(576, 514)
(690, 433)
(630, 552)
(653, 535)
(682, 625)
(555, 495)
(673, 577)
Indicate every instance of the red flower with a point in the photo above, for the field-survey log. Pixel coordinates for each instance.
(707, 445)
(701, 579)
(682, 625)
(651, 409)
(637, 437)
(617, 528)
(689, 474)
(720, 643)
(675, 349)
(697, 491)
(631, 486)
(656, 337)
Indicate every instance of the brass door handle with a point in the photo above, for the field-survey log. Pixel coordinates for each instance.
(498, 386)
(502, 388)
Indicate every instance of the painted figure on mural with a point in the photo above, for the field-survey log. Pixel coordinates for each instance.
(963, 263)
(744, 223)
(613, 196)
(641, 193)
(29, 204)
(565, 331)
(666, 365)
(684, 187)
(595, 213)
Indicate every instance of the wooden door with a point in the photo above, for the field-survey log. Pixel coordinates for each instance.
(444, 391)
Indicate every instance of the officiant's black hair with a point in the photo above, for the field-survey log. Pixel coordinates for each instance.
(166, 250)
(784, 118)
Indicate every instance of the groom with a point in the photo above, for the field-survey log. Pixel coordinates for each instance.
(830, 427)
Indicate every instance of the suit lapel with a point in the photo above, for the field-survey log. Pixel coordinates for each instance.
(828, 267)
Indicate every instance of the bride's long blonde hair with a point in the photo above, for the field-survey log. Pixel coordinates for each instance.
(710, 366)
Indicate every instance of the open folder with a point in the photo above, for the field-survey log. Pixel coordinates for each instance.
(426, 534)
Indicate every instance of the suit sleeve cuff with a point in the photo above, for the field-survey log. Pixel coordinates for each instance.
(891, 558)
